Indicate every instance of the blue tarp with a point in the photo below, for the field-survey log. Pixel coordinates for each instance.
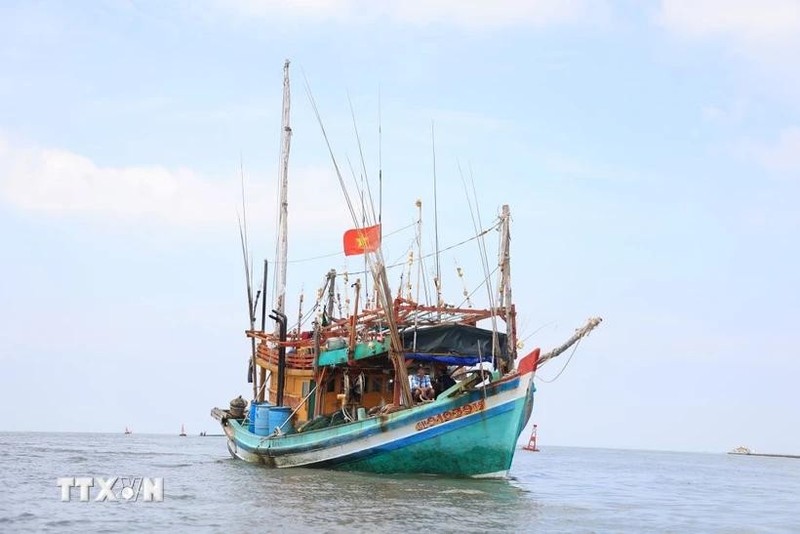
(448, 360)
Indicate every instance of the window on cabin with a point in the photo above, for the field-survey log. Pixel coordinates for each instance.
(306, 387)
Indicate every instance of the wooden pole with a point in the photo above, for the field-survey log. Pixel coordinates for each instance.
(579, 333)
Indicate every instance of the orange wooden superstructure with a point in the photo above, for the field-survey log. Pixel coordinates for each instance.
(302, 376)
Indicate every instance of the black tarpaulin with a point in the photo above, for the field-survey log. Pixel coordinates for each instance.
(453, 340)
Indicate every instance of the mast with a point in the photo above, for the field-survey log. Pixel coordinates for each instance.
(259, 384)
(283, 204)
(278, 313)
(381, 287)
(251, 374)
(331, 283)
(437, 282)
(504, 286)
(380, 169)
(396, 352)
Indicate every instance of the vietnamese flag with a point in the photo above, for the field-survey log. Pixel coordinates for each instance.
(361, 240)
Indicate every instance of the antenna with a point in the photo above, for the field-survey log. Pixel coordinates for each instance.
(363, 168)
(476, 223)
(300, 312)
(437, 282)
(250, 314)
(364, 218)
(495, 341)
(245, 243)
(380, 167)
(402, 390)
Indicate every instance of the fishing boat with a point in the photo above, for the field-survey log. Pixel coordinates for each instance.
(337, 393)
(183, 432)
(746, 451)
(128, 431)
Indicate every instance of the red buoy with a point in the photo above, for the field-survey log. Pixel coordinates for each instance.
(531, 446)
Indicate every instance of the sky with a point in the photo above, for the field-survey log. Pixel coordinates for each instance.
(649, 152)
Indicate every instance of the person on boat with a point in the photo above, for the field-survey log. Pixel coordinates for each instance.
(443, 381)
(421, 387)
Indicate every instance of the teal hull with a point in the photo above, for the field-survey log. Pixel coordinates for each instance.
(484, 447)
(472, 434)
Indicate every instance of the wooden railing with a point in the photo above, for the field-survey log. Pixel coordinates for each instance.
(295, 359)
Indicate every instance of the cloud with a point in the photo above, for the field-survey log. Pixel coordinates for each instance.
(783, 155)
(61, 183)
(731, 113)
(767, 23)
(475, 14)
(764, 34)
(467, 14)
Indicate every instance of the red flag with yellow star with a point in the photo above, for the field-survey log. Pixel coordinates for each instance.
(361, 240)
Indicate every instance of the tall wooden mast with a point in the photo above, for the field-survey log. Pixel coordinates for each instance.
(402, 390)
(283, 204)
(282, 241)
(505, 304)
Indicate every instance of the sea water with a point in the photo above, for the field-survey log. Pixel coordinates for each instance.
(559, 489)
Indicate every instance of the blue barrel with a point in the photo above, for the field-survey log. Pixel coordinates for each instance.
(261, 419)
(277, 416)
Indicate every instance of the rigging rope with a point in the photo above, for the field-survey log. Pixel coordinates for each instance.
(565, 365)
(332, 254)
(485, 280)
(527, 337)
(401, 263)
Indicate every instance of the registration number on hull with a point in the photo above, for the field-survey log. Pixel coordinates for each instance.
(449, 415)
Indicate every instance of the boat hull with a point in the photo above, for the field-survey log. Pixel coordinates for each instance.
(473, 433)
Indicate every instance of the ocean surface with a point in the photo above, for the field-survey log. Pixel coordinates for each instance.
(559, 489)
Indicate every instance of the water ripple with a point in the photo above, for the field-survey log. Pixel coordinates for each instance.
(555, 490)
